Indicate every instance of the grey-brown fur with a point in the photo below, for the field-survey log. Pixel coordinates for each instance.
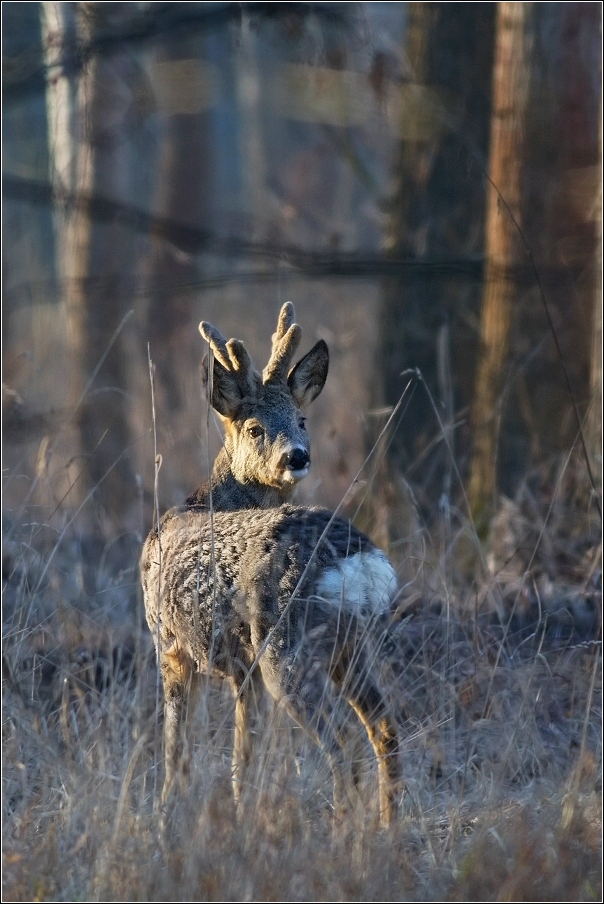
(252, 583)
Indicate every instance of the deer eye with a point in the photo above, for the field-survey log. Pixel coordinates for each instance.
(255, 431)
(302, 423)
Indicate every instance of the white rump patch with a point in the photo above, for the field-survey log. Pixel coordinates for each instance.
(364, 583)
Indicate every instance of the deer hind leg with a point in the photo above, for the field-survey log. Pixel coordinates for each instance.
(353, 677)
(180, 684)
(248, 704)
(299, 682)
(383, 737)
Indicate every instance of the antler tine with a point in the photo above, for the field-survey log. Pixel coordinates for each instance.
(285, 341)
(217, 343)
(287, 316)
(241, 364)
(232, 354)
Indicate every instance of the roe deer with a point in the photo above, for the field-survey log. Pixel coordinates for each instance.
(239, 583)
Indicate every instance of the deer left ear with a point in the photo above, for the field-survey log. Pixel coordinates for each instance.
(226, 393)
(307, 378)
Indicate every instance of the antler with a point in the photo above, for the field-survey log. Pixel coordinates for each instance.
(285, 341)
(232, 355)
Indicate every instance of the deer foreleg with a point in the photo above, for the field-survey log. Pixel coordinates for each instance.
(180, 683)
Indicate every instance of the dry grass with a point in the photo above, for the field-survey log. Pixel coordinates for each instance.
(501, 749)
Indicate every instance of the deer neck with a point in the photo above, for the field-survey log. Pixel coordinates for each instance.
(229, 494)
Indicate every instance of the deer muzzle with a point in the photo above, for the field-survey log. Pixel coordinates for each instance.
(294, 464)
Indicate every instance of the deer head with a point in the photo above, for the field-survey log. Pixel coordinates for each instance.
(266, 446)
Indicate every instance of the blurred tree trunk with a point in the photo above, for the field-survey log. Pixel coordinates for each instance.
(68, 96)
(533, 417)
(436, 211)
(183, 187)
(253, 170)
(110, 280)
(578, 223)
(502, 242)
(25, 156)
(87, 111)
(595, 417)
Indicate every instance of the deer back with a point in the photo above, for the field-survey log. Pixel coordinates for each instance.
(223, 574)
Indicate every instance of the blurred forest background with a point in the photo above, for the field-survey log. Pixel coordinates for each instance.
(422, 180)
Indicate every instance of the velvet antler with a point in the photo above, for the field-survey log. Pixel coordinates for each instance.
(285, 341)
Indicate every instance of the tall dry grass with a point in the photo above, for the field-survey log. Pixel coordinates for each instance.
(495, 676)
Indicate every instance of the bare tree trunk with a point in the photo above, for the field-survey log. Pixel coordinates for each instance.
(436, 211)
(183, 196)
(68, 102)
(595, 418)
(510, 88)
(87, 113)
(109, 288)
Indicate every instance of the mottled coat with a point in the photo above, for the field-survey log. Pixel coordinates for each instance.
(236, 586)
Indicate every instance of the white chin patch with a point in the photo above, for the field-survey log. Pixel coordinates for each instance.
(290, 476)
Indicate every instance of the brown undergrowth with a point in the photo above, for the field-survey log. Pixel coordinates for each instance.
(500, 708)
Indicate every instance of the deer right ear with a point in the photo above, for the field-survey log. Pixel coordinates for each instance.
(225, 392)
(307, 379)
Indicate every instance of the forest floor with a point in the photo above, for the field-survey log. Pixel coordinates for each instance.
(497, 686)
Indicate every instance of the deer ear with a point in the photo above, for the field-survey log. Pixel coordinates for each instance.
(307, 378)
(226, 394)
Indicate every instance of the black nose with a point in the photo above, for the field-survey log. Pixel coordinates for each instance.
(299, 459)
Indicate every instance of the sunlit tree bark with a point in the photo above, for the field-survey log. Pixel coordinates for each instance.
(510, 90)
(68, 95)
